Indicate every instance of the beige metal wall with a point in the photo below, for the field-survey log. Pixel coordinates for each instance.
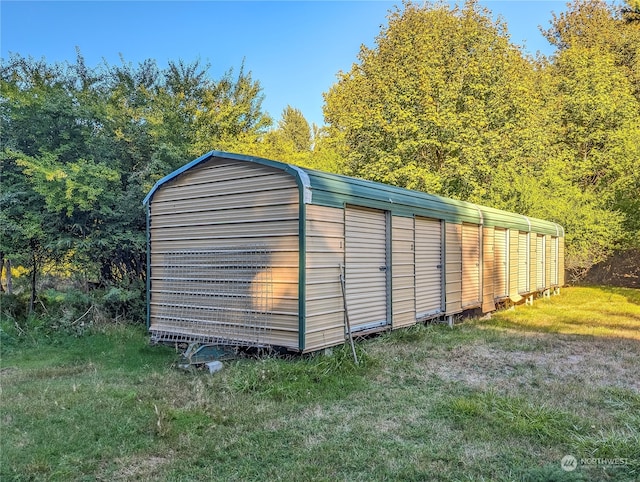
(222, 204)
(533, 261)
(488, 274)
(428, 267)
(470, 265)
(366, 267)
(324, 255)
(501, 263)
(453, 268)
(560, 268)
(402, 272)
(513, 265)
(553, 258)
(540, 261)
(523, 262)
(547, 251)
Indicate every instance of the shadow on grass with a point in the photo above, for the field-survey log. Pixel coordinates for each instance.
(567, 327)
(632, 295)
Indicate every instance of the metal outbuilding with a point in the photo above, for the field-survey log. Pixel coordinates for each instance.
(249, 251)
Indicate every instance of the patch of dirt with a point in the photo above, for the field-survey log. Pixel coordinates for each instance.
(622, 270)
(140, 467)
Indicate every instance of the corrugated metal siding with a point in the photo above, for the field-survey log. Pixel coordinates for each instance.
(228, 204)
(547, 251)
(533, 260)
(324, 255)
(488, 276)
(453, 268)
(523, 263)
(470, 265)
(540, 261)
(428, 259)
(402, 272)
(365, 267)
(513, 265)
(560, 261)
(501, 263)
(554, 261)
(223, 201)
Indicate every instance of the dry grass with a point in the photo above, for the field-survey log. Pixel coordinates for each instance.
(501, 399)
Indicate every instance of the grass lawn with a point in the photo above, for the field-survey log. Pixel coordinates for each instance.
(502, 399)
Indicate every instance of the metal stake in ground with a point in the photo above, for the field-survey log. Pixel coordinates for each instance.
(346, 314)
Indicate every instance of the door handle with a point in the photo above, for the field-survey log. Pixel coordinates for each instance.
(382, 268)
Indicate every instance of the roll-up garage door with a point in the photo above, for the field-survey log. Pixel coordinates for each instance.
(428, 266)
(501, 263)
(523, 262)
(554, 261)
(366, 267)
(540, 258)
(470, 265)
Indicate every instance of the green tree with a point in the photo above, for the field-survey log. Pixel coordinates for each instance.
(81, 147)
(446, 104)
(600, 25)
(294, 142)
(294, 128)
(231, 115)
(596, 107)
(631, 11)
(441, 102)
(325, 155)
(36, 117)
(23, 218)
(290, 141)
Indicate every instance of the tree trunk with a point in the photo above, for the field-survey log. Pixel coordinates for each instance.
(9, 277)
(1, 271)
(34, 266)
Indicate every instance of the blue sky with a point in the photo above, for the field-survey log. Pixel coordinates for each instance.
(294, 48)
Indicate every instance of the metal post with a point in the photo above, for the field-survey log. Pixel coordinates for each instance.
(346, 314)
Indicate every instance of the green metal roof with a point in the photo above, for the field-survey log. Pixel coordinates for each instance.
(334, 190)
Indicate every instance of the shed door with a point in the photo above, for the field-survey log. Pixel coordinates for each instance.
(523, 262)
(428, 266)
(470, 265)
(540, 258)
(366, 267)
(501, 263)
(554, 261)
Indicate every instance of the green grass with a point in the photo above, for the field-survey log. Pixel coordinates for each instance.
(501, 399)
(595, 311)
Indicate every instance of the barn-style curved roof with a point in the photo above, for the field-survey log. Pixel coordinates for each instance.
(334, 190)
